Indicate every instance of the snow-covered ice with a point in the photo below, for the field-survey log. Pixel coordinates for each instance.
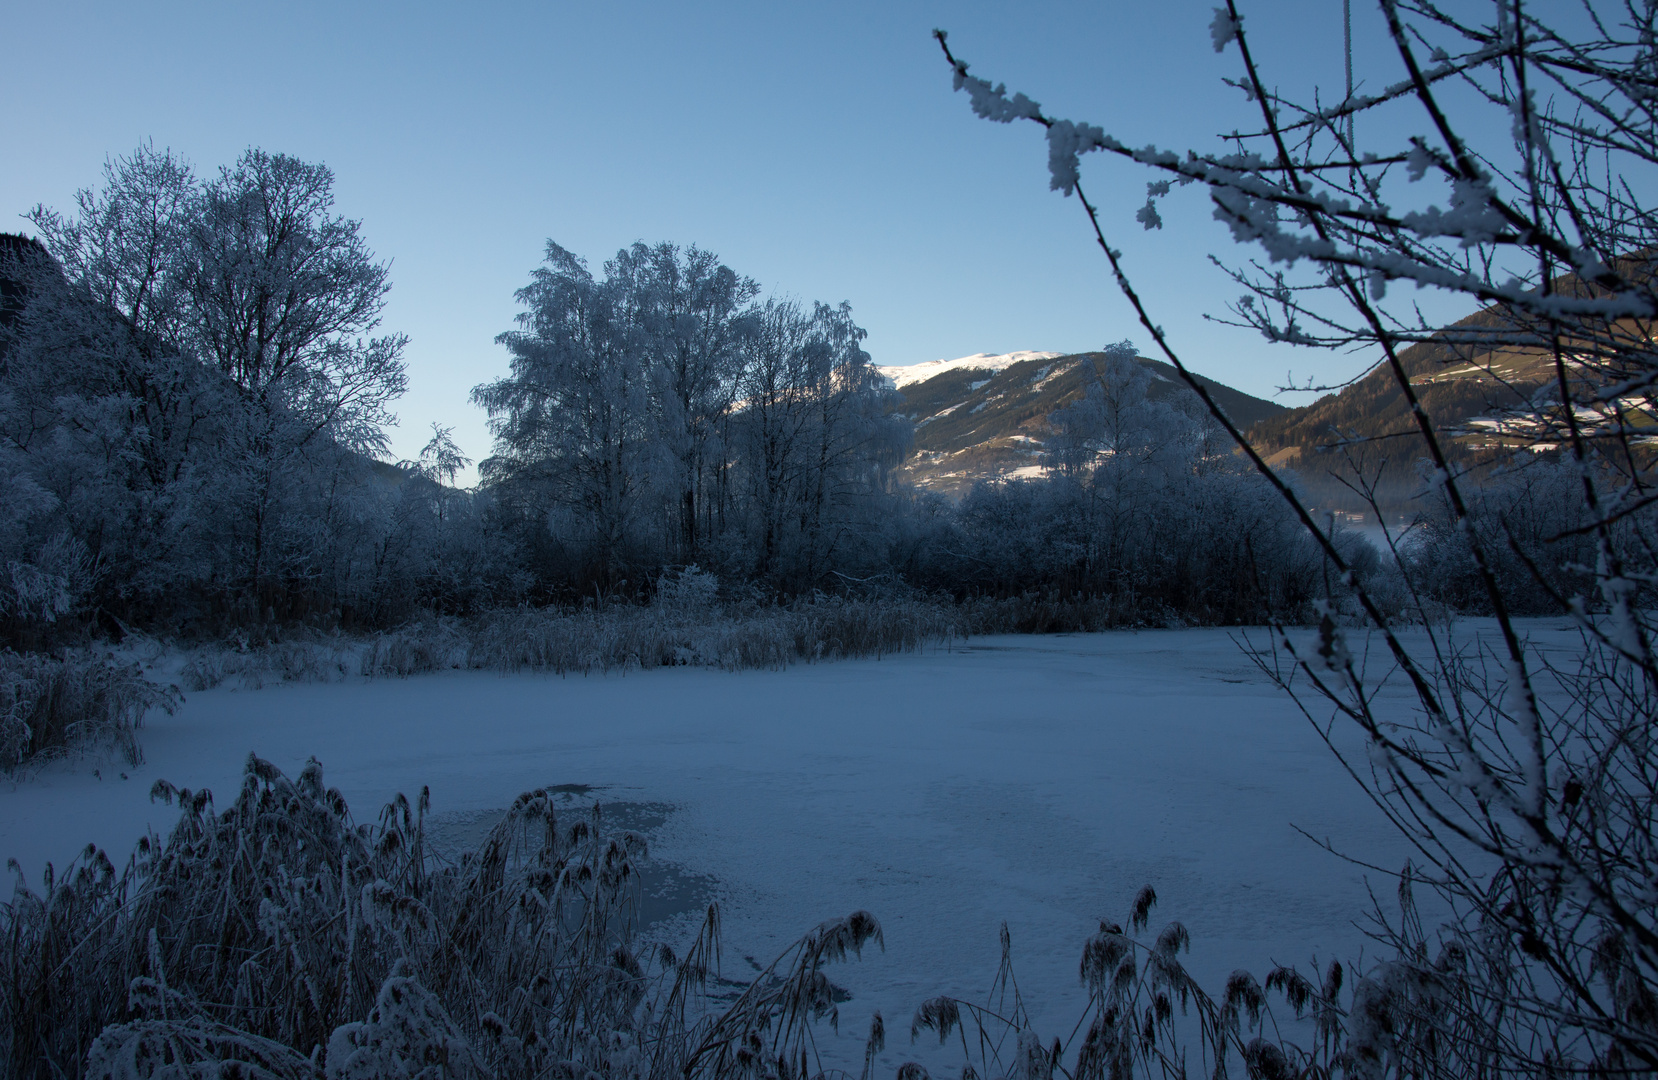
(1037, 780)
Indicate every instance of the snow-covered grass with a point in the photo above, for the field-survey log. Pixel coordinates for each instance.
(682, 627)
(1039, 781)
(277, 937)
(72, 702)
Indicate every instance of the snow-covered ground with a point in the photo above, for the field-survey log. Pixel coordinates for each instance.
(1037, 780)
(914, 373)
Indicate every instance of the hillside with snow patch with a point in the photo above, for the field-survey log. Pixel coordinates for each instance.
(986, 416)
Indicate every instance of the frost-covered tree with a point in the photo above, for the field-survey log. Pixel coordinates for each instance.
(106, 407)
(811, 438)
(192, 394)
(440, 459)
(1517, 177)
(282, 296)
(658, 415)
(692, 313)
(1115, 418)
(573, 422)
(1138, 472)
(122, 247)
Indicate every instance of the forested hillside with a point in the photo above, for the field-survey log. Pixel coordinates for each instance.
(1487, 383)
(974, 424)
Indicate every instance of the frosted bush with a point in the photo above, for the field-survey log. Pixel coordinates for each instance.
(691, 593)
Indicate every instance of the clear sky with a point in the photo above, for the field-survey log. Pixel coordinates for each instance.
(816, 147)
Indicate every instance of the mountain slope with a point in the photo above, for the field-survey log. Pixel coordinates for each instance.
(901, 377)
(1477, 396)
(985, 416)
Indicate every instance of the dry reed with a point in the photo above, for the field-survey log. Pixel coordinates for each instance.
(72, 702)
(278, 939)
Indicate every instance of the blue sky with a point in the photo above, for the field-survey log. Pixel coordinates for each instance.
(816, 148)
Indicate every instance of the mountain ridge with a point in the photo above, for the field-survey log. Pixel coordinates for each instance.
(984, 417)
(1478, 391)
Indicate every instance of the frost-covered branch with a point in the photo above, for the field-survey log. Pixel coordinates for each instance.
(1546, 233)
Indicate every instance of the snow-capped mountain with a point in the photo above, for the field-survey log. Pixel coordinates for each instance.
(993, 362)
(986, 415)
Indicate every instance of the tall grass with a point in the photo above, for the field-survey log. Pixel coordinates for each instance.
(53, 705)
(306, 659)
(279, 939)
(621, 638)
(1421, 1011)
(617, 637)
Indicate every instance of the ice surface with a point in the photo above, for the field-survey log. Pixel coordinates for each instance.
(1040, 780)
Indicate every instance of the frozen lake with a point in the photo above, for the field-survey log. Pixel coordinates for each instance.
(1036, 780)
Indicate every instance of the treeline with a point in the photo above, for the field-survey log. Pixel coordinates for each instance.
(195, 391)
(193, 395)
(664, 414)
(1146, 515)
